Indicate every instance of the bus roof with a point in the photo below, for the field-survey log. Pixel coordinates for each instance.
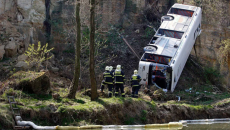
(179, 23)
(166, 46)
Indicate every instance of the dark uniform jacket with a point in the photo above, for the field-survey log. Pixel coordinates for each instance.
(119, 77)
(108, 77)
(135, 79)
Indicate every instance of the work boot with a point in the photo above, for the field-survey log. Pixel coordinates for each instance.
(116, 94)
(102, 88)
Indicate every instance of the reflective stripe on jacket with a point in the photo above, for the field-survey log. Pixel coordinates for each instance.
(119, 77)
(135, 79)
(108, 77)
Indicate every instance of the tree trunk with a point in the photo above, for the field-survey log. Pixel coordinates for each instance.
(74, 84)
(47, 23)
(92, 35)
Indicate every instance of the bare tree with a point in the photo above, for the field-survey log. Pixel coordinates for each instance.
(94, 95)
(74, 84)
(47, 23)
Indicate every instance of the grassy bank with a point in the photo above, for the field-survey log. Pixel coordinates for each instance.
(44, 110)
(80, 111)
(5, 116)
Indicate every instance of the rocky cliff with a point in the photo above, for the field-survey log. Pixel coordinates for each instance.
(29, 21)
(23, 22)
(215, 29)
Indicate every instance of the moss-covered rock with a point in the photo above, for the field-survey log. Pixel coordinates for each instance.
(31, 82)
(159, 95)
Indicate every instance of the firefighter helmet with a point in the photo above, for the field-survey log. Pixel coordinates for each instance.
(135, 72)
(118, 67)
(107, 68)
(110, 68)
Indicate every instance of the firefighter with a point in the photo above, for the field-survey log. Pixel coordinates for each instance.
(119, 79)
(103, 81)
(112, 71)
(135, 80)
(108, 79)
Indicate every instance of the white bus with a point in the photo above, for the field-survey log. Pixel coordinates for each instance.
(166, 54)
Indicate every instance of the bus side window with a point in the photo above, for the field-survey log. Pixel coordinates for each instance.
(196, 31)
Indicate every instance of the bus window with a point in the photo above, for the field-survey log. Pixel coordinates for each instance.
(156, 58)
(182, 12)
(169, 33)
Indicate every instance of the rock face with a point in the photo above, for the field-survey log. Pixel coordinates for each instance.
(22, 20)
(32, 82)
(123, 13)
(215, 28)
(26, 20)
(2, 51)
(22, 64)
(22, 57)
(11, 48)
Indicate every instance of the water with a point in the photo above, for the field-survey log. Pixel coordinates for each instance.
(205, 124)
(219, 126)
(215, 126)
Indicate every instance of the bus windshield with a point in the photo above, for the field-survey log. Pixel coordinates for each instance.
(156, 58)
(182, 12)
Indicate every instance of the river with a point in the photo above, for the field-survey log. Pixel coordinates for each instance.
(219, 126)
(215, 126)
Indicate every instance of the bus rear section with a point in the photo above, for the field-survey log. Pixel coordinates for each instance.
(158, 72)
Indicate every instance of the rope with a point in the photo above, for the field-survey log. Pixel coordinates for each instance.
(129, 46)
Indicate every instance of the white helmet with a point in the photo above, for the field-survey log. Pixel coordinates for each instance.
(118, 67)
(107, 68)
(135, 72)
(110, 68)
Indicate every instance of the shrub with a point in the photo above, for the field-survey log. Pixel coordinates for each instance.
(225, 52)
(212, 76)
(37, 56)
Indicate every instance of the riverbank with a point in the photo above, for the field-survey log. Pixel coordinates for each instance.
(44, 110)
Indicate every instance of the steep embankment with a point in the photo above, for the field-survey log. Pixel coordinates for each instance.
(121, 111)
(58, 110)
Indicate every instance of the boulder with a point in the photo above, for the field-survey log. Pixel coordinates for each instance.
(54, 69)
(53, 107)
(32, 82)
(56, 96)
(22, 64)
(5, 68)
(11, 48)
(20, 51)
(22, 57)
(2, 52)
(159, 95)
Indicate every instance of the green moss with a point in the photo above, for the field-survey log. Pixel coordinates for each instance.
(129, 120)
(89, 107)
(5, 116)
(25, 80)
(143, 116)
(38, 107)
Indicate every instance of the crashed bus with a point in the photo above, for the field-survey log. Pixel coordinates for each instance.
(166, 54)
